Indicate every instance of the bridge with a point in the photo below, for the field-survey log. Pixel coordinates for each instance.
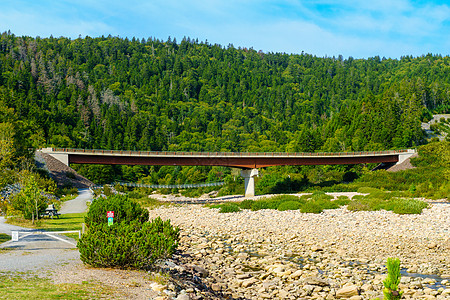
(249, 162)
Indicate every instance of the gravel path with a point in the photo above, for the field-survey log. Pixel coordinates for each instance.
(77, 205)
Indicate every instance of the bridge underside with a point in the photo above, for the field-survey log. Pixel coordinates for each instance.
(249, 162)
(237, 162)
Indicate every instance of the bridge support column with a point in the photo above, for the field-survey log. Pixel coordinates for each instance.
(249, 176)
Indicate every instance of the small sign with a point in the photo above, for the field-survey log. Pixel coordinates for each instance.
(110, 221)
(110, 214)
(15, 236)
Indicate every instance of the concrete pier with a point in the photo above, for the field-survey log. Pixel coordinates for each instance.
(249, 176)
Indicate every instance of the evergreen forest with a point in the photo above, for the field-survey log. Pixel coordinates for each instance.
(152, 95)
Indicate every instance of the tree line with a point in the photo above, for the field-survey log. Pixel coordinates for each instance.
(150, 94)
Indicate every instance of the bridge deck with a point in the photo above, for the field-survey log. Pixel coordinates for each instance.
(231, 159)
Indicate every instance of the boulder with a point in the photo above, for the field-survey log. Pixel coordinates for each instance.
(315, 281)
(347, 291)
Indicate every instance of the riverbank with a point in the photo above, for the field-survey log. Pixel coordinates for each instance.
(270, 254)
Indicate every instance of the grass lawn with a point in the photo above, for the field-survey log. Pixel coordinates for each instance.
(33, 287)
(4, 237)
(64, 223)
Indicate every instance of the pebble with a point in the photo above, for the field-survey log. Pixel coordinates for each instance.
(270, 254)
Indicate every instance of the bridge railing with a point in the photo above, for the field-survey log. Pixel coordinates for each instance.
(166, 186)
(225, 154)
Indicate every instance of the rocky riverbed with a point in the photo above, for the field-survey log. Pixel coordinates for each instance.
(269, 254)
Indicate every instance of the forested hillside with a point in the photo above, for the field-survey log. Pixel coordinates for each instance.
(115, 93)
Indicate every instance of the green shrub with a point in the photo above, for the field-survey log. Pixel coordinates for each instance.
(367, 190)
(128, 245)
(311, 207)
(246, 204)
(326, 204)
(125, 210)
(289, 205)
(321, 196)
(342, 200)
(274, 202)
(135, 195)
(391, 291)
(229, 207)
(358, 205)
(260, 204)
(408, 206)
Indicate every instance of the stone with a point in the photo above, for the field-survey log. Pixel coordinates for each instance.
(182, 297)
(432, 245)
(347, 291)
(158, 287)
(308, 289)
(367, 287)
(315, 281)
(243, 276)
(283, 294)
(199, 269)
(297, 274)
(315, 248)
(215, 287)
(248, 282)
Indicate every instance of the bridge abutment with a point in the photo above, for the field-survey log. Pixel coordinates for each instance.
(249, 177)
(62, 157)
(404, 156)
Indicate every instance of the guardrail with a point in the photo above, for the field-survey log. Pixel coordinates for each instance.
(225, 154)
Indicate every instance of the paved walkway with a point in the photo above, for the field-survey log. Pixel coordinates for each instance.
(39, 251)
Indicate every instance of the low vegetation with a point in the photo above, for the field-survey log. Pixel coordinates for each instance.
(316, 202)
(391, 290)
(33, 287)
(131, 242)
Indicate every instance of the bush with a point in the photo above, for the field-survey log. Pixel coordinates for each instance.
(289, 205)
(342, 200)
(246, 204)
(408, 206)
(320, 196)
(135, 195)
(125, 210)
(128, 245)
(311, 207)
(274, 202)
(396, 205)
(229, 207)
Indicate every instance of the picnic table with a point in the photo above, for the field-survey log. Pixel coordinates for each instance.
(50, 211)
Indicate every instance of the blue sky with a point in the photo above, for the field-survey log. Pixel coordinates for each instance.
(361, 28)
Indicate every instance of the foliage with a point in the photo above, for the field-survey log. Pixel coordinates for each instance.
(134, 245)
(149, 202)
(4, 238)
(246, 204)
(117, 93)
(31, 200)
(228, 208)
(272, 202)
(125, 210)
(387, 201)
(289, 205)
(311, 207)
(131, 242)
(430, 179)
(392, 280)
(25, 286)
